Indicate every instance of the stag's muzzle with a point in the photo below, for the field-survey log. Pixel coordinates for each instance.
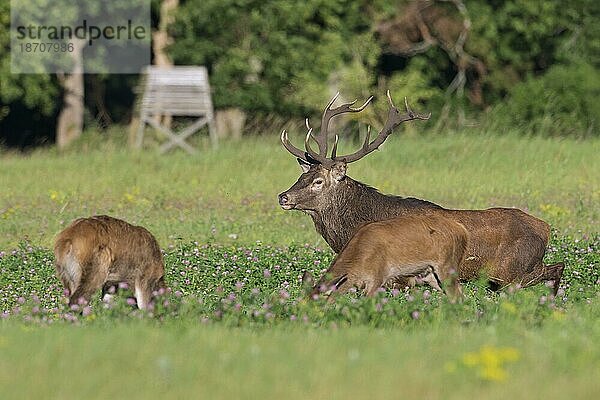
(284, 201)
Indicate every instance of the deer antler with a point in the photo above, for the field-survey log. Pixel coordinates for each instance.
(394, 119)
(329, 113)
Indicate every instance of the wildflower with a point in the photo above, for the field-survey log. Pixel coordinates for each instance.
(267, 273)
(293, 317)
(415, 314)
(123, 285)
(489, 361)
(395, 292)
(131, 301)
(426, 294)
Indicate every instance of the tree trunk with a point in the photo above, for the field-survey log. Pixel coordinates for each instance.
(160, 41)
(70, 118)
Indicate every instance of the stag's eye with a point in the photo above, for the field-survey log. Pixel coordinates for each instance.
(318, 181)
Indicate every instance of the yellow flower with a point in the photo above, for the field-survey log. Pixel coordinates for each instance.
(509, 307)
(489, 361)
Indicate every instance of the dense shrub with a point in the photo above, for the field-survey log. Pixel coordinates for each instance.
(563, 101)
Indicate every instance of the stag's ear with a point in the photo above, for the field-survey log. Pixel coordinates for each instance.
(308, 282)
(338, 170)
(303, 164)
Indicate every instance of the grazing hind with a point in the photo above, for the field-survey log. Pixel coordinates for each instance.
(101, 251)
(430, 246)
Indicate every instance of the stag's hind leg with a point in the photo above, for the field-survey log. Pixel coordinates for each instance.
(543, 273)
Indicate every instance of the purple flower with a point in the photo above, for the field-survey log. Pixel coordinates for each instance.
(426, 294)
(293, 317)
(415, 314)
(87, 310)
(21, 300)
(267, 273)
(131, 301)
(284, 294)
(395, 292)
(123, 285)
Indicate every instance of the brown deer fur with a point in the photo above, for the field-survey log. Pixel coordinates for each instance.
(100, 251)
(507, 244)
(430, 246)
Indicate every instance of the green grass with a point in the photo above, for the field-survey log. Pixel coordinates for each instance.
(216, 337)
(141, 361)
(232, 192)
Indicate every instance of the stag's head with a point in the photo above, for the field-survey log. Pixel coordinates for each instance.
(323, 175)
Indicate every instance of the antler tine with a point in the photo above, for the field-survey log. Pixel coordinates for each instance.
(290, 147)
(309, 150)
(329, 113)
(394, 119)
(335, 144)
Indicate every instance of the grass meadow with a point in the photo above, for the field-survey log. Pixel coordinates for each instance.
(235, 323)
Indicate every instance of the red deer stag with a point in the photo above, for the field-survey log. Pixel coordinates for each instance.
(101, 251)
(430, 246)
(505, 243)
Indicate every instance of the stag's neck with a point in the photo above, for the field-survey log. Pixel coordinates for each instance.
(356, 204)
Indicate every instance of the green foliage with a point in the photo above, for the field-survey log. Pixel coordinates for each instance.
(36, 92)
(516, 38)
(268, 56)
(563, 101)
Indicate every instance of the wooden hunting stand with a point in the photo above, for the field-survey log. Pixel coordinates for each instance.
(178, 92)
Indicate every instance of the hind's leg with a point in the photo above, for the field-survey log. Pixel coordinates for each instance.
(372, 286)
(93, 275)
(88, 285)
(144, 290)
(445, 279)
